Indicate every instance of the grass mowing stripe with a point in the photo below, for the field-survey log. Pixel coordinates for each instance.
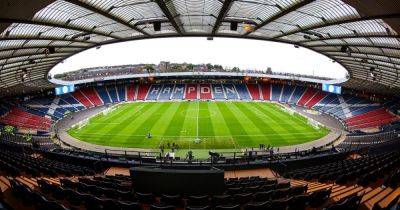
(234, 125)
(188, 131)
(112, 140)
(222, 125)
(147, 122)
(267, 109)
(205, 126)
(131, 121)
(279, 114)
(176, 123)
(99, 121)
(260, 123)
(303, 124)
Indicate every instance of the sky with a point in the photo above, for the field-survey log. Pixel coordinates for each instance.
(228, 52)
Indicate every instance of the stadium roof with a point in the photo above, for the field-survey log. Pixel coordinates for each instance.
(361, 35)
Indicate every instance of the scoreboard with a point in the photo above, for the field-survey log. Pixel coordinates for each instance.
(64, 89)
(332, 88)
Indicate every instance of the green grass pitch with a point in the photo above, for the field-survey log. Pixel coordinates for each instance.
(219, 125)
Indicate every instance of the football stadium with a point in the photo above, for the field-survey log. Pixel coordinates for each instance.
(199, 105)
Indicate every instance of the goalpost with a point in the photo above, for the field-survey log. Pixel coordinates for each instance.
(84, 122)
(109, 109)
(314, 123)
(310, 121)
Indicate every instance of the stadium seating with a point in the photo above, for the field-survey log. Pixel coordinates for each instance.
(19, 118)
(191, 91)
(355, 112)
(218, 91)
(297, 93)
(130, 91)
(230, 92)
(242, 91)
(178, 92)
(121, 90)
(166, 92)
(142, 91)
(315, 99)
(276, 92)
(154, 92)
(306, 97)
(70, 101)
(93, 96)
(112, 92)
(266, 91)
(101, 91)
(287, 92)
(254, 90)
(78, 95)
(363, 169)
(205, 91)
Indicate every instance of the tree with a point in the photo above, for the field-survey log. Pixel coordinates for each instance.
(149, 68)
(209, 66)
(235, 69)
(190, 66)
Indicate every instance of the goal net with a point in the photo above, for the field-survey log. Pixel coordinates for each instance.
(287, 110)
(82, 123)
(108, 110)
(314, 123)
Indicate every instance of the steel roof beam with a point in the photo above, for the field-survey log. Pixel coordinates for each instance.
(222, 13)
(354, 45)
(168, 14)
(350, 37)
(34, 38)
(31, 54)
(378, 68)
(281, 14)
(386, 65)
(56, 55)
(41, 46)
(107, 15)
(326, 24)
(30, 65)
(57, 25)
(366, 53)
